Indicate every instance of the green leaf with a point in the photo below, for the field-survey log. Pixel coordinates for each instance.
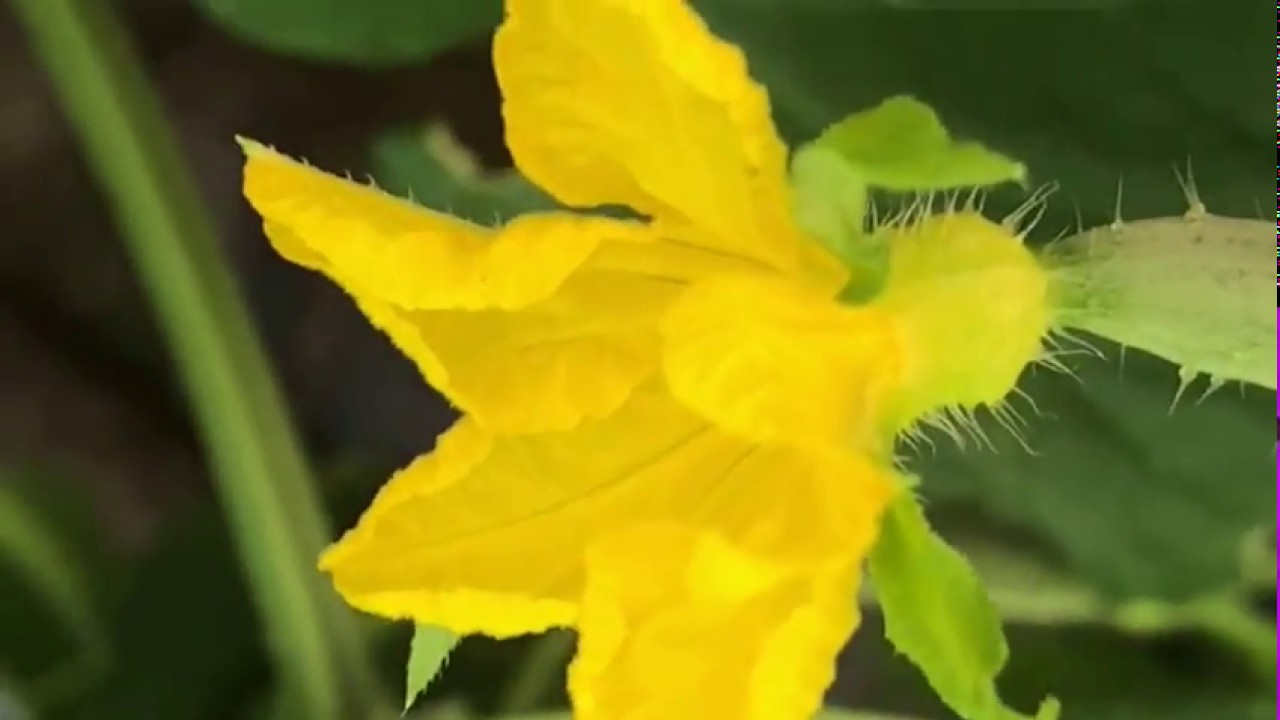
(11, 707)
(1185, 677)
(56, 582)
(898, 145)
(430, 166)
(43, 555)
(448, 709)
(428, 652)
(369, 33)
(829, 199)
(1030, 588)
(189, 644)
(1138, 499)
(901, 145)
(1189, 289)
(1227, 708)
(938, 614)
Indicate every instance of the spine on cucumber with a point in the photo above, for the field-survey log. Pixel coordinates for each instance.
(1190, 289)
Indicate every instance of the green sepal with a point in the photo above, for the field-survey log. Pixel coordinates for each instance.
(938, 614)
(428, 651)
(899, 145)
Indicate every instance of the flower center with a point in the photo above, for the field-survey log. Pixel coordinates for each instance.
(972, 308)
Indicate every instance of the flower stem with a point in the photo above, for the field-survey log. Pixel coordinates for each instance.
(262, 480)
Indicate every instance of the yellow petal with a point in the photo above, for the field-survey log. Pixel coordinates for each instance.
(575, 355)
(487, 533)
(680, 625)
(618, 102)
(779, 362)
(506, 324)
(377, 244)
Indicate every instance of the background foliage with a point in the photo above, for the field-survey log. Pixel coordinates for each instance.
(1132, 552)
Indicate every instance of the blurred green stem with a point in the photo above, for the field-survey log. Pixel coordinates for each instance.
(270, 501)
(1227, 618)
(1027, 591)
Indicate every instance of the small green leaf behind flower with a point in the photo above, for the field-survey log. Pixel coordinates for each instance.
(899, 145)
(428, 652)
(434, 169)
(939, 616)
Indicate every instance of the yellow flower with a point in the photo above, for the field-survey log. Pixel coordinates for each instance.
(674, 438)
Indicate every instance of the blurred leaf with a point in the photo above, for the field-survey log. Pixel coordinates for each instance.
(11, 706)
(191, 646)
(541, 668)
(428, 652)
(1140, 502)
(1086, 665)
(189, 641)
(370, 33)
(1025, 586)
(452, 709)
(1226, 618)
(1029, 588)
(1082, 97)
(1102, 674)
(1227, 708)
(34, 546)
(431, 167)
(938, 614)
(55, 579)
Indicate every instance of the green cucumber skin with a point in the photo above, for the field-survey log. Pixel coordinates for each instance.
(1191, 289)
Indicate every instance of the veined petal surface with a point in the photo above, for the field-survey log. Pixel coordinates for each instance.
(779, 362)
(635, 103)
(507, 323)
(487, 533)
(414, 257)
